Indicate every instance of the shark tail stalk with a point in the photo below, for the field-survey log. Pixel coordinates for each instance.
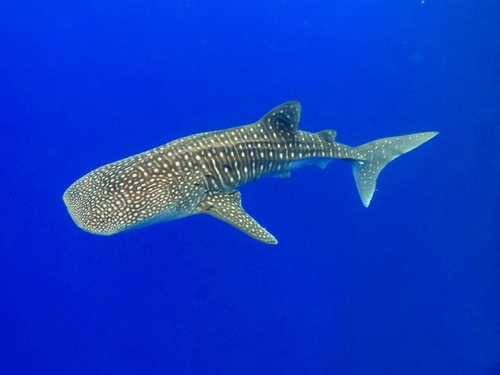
(377, 154)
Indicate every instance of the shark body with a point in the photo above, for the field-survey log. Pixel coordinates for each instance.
(200, 173)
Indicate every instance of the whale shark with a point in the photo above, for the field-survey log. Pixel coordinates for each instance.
(201, 173)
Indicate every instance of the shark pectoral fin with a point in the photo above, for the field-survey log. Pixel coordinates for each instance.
(227, 207)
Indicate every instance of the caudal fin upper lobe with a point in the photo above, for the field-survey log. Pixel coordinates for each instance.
(375, 155)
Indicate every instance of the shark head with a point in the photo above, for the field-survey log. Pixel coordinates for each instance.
(117, 197)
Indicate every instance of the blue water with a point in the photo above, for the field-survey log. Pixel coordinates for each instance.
(410, 285)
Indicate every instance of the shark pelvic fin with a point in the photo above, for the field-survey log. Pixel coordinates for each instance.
(227, 207)
(376, 155)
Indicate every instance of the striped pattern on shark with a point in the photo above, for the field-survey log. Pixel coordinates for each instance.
(200, 173)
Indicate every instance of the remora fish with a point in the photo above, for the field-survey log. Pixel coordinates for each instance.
(200, 173)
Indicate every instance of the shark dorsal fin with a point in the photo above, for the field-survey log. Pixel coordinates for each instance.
(327, 135)
(227, 207)
(285, 117)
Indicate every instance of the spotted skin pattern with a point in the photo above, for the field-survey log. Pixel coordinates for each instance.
(199, 173)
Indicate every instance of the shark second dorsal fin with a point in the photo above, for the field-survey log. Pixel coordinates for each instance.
(285, 117)
(227, 207)
(327, 135)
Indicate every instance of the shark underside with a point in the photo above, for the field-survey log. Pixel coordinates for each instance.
(200, 173)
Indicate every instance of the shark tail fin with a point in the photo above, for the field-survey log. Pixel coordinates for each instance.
(374, 156)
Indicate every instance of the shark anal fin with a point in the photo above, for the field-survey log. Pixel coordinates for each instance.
(227, 207)
(282, 175)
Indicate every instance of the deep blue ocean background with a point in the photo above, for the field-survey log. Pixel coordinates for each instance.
(410, 285)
